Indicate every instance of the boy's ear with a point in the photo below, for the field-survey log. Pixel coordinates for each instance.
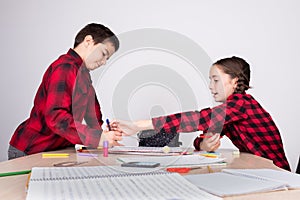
(88, 40)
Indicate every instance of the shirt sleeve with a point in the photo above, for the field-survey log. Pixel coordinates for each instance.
(208, 120)
(197, 142)
(58, 112)
(93, 115)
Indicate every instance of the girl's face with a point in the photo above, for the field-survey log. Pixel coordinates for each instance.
(221, 85)
(98, 55)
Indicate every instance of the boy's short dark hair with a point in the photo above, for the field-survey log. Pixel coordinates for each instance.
(99, 33)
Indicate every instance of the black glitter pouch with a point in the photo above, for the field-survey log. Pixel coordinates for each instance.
(149, 138)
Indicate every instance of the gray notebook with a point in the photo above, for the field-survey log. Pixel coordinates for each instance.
(244, 181)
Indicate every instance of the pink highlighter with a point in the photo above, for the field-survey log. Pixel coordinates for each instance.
(105, 148)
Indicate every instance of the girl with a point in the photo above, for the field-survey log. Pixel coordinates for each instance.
(239, 116)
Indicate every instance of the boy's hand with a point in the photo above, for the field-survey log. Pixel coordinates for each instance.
(112, 137)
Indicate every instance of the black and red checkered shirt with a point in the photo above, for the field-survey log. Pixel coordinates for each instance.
(241, 118)
(64, 98)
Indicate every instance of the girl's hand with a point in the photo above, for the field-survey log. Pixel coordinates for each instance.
(210, 142)
(131, 128)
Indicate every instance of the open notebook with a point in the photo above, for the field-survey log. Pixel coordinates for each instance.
(110, 182)
(147, 150)
(185, 160)
(244, 181)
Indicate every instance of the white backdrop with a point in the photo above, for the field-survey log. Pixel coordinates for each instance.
(265, 33)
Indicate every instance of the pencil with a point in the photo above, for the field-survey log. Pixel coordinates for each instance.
(14, 173)
(28, 179)
(209, 155)
(209, 169)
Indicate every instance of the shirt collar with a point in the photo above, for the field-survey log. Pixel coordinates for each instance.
(238, 95)
(79, 63)
(77, 58)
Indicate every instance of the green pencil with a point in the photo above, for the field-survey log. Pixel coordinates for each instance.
(14, 173)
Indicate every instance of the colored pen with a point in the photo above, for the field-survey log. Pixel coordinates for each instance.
(108, 124)
(87, 154)
(15, 173)
(205, 136)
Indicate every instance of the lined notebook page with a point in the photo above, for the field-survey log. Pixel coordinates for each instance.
(125, 186)
(291, 179)
(224, 184)
(174, 160)
(124, 149)
(59, 173)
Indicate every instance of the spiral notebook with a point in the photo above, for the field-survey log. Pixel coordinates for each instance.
(147, 150)
(110, 182)
(186, 160)
(244, 181)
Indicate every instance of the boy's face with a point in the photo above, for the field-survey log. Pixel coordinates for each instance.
(98, 54)
(221, 84)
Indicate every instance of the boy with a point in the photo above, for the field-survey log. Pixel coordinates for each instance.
(66, 97)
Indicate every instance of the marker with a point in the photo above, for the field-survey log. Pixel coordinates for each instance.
(209, 155)
(15, 173)
(179, 169)
(182, 169)
(105, 148)
(108, 124)
(55, 155)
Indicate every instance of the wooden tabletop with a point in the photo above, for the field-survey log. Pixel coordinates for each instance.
(14, 187)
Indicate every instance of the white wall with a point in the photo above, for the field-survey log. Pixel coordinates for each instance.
(266, 33)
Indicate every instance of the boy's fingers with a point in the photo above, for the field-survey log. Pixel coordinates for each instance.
(117, 138)
(117, 133)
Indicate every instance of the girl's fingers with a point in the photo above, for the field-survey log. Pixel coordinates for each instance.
(215, 138)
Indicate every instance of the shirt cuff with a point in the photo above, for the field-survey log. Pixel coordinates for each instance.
(197, 142)
(158, 124)
(94, 139)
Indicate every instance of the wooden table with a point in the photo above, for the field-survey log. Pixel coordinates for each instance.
(13, 187)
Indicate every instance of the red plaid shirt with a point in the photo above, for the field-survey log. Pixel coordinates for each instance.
(241, 118)
(64, 98)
